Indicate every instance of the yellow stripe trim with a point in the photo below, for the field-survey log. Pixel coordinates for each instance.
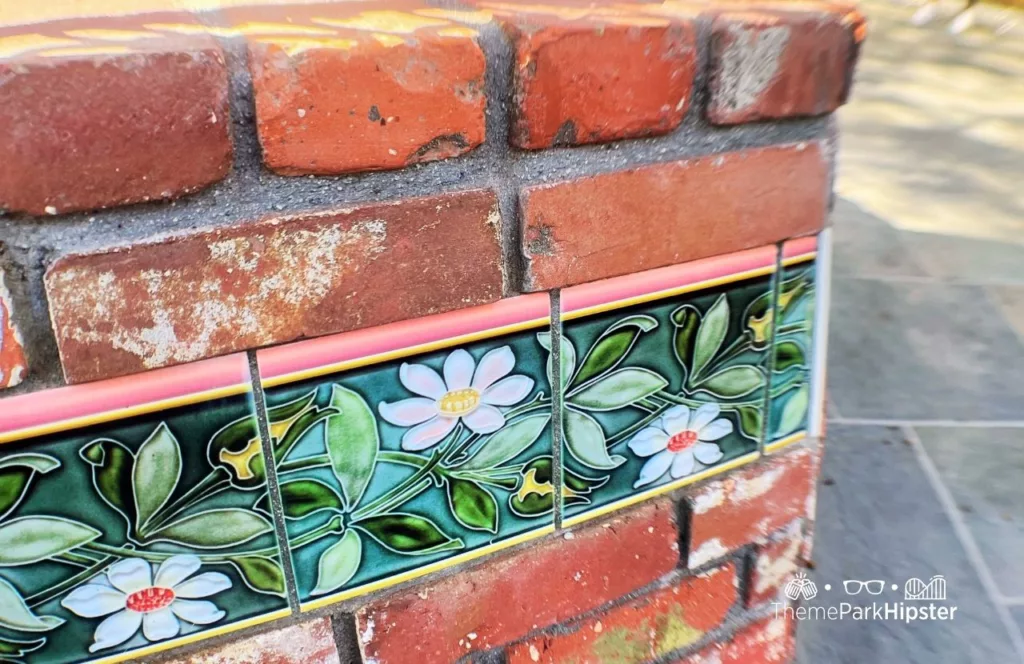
(122, 413)
(193, 638)
(403, 352)
(788, 440)
(658, 295)
(802, 258)
(658, 490)
(426, 569)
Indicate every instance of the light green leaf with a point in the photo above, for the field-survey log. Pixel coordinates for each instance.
(408, 534)
(710, 336)
(352, 443)
(794, 411)
(733, 382)
(155, 474)
(339, 563)
(472, 505)
(15, 614)
(567, 358)
(33, 538)
(612, 346)
(508, 442)
(215, 529)
(14, 649)
(585, 440)
(16, 474)
(617, 389)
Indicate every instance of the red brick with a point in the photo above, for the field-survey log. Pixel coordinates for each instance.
(663, 214)
(775, 563)
(593, 80)
(749, 504)
(368, 100)
(770, 641)
(13, 366)
(778, 64)
(549, 582)
(111, 124)
(195, 296)
(646, 628)
(306, 643)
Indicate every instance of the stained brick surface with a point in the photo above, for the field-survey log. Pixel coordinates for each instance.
(13, 366)
(310, 642)
(537, 586)
(618, 223)
(775, 563)
(640, 630)
(769, 641)
(196, 296)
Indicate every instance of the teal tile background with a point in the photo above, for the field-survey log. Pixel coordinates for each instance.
(790, 384)
(326, 550)
(67, 491)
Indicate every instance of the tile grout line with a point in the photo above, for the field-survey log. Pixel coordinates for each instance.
(938, 424)
(776, 288)
(963, 534)
(555, 380)
(273, 486)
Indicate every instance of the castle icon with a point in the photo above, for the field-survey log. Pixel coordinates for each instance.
(916, 589)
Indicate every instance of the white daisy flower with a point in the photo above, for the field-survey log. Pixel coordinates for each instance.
(679, 437)
(468, 392)
(132, 597)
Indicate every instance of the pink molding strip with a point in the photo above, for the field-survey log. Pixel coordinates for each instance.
(799, 247)
(669, 278)
(80, 405)
(324, 352)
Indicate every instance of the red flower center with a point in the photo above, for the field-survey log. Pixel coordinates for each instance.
(682, 440)
(148, 600)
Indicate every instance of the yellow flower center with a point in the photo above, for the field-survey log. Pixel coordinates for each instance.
(459, 402)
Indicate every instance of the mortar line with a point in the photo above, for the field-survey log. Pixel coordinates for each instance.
(938, 424)
(929, 280)
(963, 534)
(273, 486)
(766, 403)
(556, 406)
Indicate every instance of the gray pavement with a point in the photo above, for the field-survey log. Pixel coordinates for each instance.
(924, 463)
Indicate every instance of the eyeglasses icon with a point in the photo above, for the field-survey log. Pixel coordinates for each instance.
(873, 587)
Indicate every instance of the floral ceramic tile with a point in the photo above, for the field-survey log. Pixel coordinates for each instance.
(794, 347)
(127, 525)
(665, 378)
(431, 445)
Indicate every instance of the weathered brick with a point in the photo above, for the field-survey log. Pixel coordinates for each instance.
(749, 504)
(86, 126)
(642, 629)
(628, 221)
(410, 91)
(784, 63)
(194, 296)
(775, 563)
(769, 641)
(306, 643)
(13, 366)
(598, 79)
(505, 599)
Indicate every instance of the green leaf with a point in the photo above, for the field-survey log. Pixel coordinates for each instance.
(508, 442)
(567, 358)
(408, 534)
(339, 563)
(215, 529)
(15, 614)
(304, 497)
(16, 473)
(788, 354)
(710, 336)
(112, 465)
(472, 505)
(352, 443)
(33, 538)
(11, 649)
(155, 474)
(535, 495)
(612, 346)
(751, 421)
(686, 320)
(618, 389)
(299, 428)
(585, 440)
(733, 382)
(794, 411)
(263, 575)
(287, 411)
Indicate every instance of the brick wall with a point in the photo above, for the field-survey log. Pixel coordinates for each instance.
(180, 187)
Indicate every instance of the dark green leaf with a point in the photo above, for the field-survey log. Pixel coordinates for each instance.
(291, 409)
(155, 474)
(215, 529)
(408, 534)
(15, 614)
(710, 336)
(112, 465)
(30, 539)
(236, 449)
(339, 563)
(263, 575)
(535, 496)
(751, 421)
(612, 346)
(304, 497)
(352, 443)
(788, 353)
(585, 440)
(508, 442)
(299, 428)
(733, 382)
(15, 649)
(16, 473)
(472, 505)
(758, 317)
(686, 320)
(617, 389)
